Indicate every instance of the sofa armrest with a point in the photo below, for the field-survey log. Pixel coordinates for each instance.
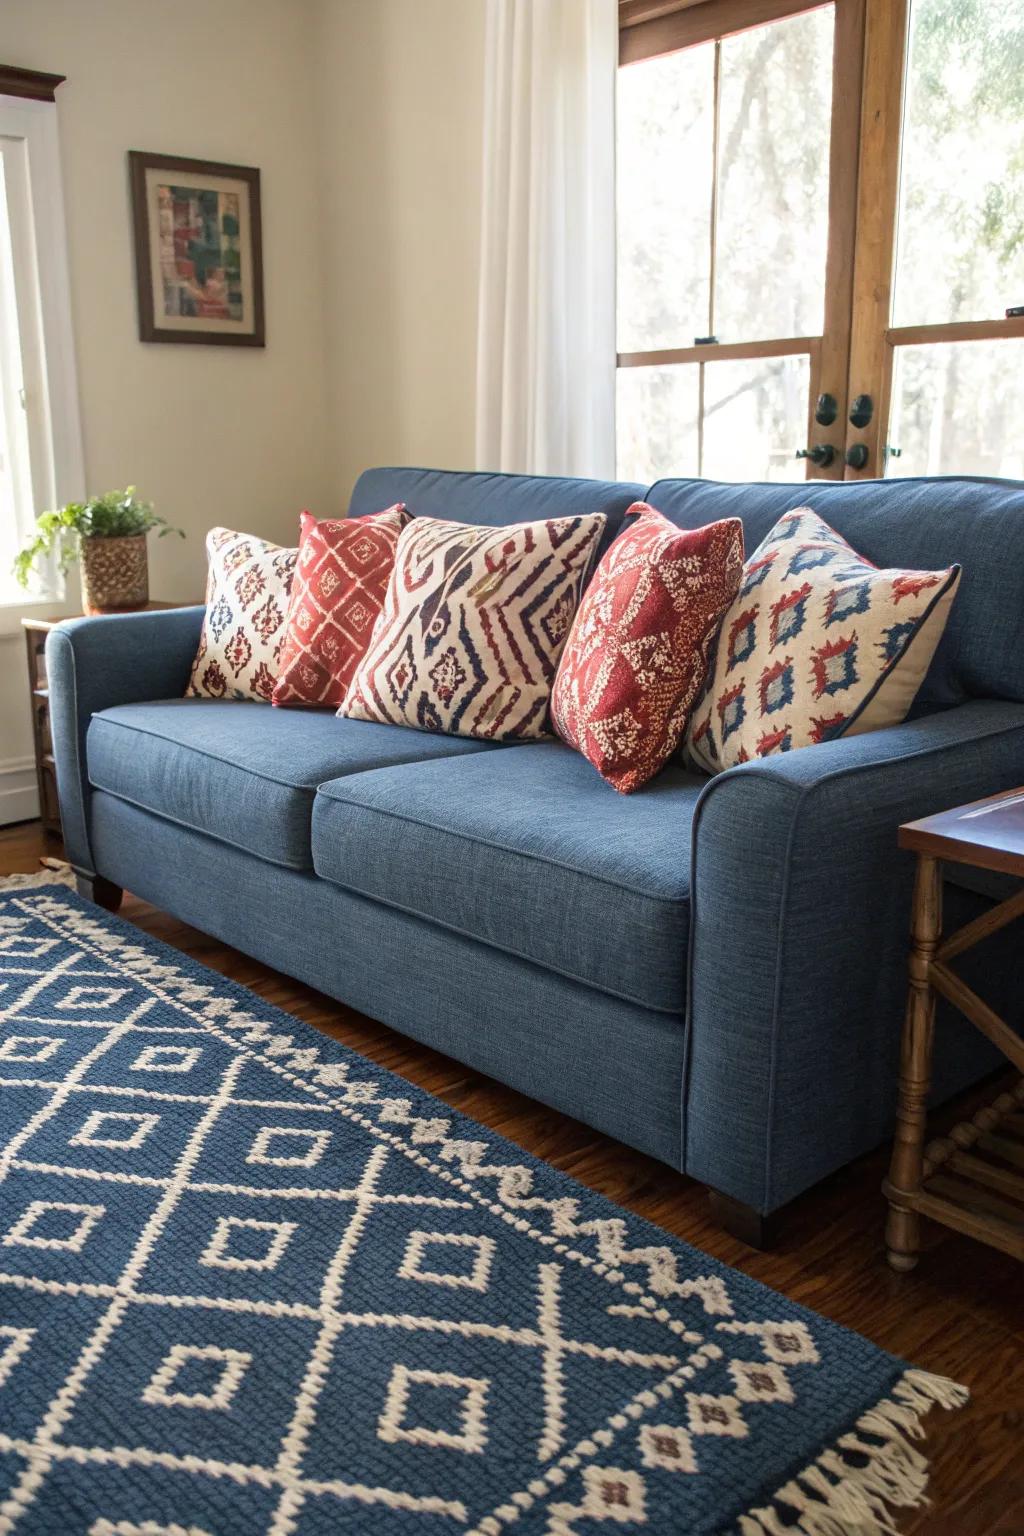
(92, 664)
(798, 942)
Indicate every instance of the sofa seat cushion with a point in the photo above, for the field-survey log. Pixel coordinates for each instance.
(527, 849)
(241, 772)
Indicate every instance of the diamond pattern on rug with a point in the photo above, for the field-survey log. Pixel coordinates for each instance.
(388, 1320)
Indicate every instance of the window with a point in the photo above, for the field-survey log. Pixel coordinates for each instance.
(820, 204)
(40, 438)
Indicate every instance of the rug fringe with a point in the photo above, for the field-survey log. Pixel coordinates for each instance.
(852, 1488)
(53, 872)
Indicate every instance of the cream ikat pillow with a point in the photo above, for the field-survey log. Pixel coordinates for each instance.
(819, 643)
(472, 626)
(247, 590)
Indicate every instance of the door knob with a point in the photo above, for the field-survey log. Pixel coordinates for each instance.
(857, 455)
(826, 410)
(862, 410)
(821, 454)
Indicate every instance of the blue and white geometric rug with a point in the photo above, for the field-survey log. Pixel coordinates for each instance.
(251, 1283)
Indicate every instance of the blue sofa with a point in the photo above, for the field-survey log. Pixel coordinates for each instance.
(709, 970)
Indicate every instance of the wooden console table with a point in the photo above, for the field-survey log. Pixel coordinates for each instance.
(36, 631)
(972, 1179)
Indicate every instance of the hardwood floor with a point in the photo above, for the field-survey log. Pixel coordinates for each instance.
(961, 1313)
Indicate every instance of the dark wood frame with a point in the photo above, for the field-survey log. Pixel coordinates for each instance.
(654, 29)
(34, 84)
(141, 161)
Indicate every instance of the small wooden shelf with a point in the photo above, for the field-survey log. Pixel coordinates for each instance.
(36, 631)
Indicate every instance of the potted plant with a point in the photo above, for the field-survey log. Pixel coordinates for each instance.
(108, 533)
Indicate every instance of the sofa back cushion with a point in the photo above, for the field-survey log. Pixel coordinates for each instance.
(473, 496)
(926, 524)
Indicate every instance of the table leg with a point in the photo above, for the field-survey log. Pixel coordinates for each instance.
(903, 1236)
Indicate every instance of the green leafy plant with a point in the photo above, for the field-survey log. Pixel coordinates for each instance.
(116, 514)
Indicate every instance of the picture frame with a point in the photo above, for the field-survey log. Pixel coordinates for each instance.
(198, 250)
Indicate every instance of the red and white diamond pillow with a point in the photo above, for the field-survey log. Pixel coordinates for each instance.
(637, 654)
(341, 577)
(247, 589)
(818, 644)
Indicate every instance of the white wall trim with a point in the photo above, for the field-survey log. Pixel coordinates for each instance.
(19, 792)
(29, 141)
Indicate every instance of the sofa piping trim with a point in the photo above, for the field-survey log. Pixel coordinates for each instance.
(179, 821)
(487, 842)
(503, 949)
(254, 773)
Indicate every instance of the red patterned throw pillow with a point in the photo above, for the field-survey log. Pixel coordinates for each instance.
(637, 654)
(341, 577)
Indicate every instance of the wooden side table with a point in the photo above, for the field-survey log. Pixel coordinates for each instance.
(973, 1179)
(36, 631)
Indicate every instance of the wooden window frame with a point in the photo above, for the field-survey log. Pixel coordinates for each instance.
(856, 352)
(649, 29)
(874, 338)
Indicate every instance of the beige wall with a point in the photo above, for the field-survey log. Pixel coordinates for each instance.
(400, 105)
(364, 117)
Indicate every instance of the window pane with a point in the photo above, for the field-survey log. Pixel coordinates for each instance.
(657, 422)
(957, 409)
(960, 253)
(664, 145)
(755, 418)
(16, 510)
(776, 94)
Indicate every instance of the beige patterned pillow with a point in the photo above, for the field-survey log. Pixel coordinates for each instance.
(819, 643)
(247, 591)
(472, 627)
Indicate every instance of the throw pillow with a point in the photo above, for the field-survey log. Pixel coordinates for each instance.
(341, 577)
(247, 589)
(637, 654)
(473, 625)
(819, 643)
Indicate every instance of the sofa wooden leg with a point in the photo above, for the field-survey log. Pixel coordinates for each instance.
(95, 888)
(743, 1221)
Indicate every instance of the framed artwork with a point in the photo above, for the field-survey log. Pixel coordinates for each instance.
(198, 250)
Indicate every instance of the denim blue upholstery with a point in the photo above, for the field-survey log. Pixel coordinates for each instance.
(607, 1062)
(474, 497)
(529, 850)
(798, 958)
(242, 772)
(711, 970)
(926, 524)
(122, 658)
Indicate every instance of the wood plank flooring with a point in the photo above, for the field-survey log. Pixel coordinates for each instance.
(960, 1313)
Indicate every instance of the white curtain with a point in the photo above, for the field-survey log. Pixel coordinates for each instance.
(546, 351)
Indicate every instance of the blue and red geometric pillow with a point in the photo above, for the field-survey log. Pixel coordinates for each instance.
(819, 643)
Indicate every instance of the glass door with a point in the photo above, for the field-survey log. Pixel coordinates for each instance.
(937, 350)
(737, 166)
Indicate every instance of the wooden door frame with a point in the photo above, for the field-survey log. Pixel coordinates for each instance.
(878, 190)
(847, 115)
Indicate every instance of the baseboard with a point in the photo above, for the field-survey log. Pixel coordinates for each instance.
(19, 792)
